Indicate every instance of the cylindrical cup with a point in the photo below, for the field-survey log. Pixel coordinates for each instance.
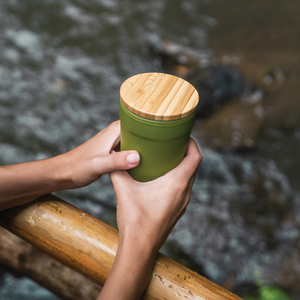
(161, 144)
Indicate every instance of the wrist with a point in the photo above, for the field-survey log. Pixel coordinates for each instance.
(138, 244)
(133, 262)
(61, 172)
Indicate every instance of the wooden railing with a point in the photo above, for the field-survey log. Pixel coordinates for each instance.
(88, 246)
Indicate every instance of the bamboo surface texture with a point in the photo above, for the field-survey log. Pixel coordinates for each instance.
(159, 96)
(44, 269)
(88, 246)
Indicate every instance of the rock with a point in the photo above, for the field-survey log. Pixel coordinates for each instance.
(266, 52)
(243, 216)
(283, 102)
(172, 55)
(237, 125)
(217, 85)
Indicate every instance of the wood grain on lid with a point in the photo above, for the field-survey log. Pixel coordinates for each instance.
(159, 96)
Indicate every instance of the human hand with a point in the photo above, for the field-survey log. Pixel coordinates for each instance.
(146, 214)
(88, 162)
(148, 211)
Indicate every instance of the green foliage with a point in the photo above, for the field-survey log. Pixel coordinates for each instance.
(267, 292)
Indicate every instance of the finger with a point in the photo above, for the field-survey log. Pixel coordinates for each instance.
(190, 163)
(123, 160)
(115, 126)
(193, 147)
(193, 152)
(113, 132)
(106, 139)
(189, 189)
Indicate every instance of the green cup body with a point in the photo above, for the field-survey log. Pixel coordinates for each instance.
(161, 144)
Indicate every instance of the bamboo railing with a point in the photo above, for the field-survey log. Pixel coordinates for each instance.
(27, 260)
(89, 246)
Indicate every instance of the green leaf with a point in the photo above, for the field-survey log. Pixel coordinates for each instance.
(272, 293)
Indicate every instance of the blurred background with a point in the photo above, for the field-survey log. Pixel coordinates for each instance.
(61, 67)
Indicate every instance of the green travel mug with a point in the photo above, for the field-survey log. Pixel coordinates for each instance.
(157, 112)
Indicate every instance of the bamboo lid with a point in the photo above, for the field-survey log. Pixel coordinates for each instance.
(159, 96)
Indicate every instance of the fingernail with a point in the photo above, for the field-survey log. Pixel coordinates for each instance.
(133, 158)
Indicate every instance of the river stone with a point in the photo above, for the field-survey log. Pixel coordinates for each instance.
(173, 54)
(283, 101)
(267, 51)
(237, 125)
(217, 85)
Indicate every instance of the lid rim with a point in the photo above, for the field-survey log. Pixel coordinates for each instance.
(159, 96)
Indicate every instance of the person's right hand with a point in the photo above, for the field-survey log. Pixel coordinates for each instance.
(146, 214)
(148, 211)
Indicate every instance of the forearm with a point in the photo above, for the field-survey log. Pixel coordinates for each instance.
(130, 273)
(25, 182)
(77, 168)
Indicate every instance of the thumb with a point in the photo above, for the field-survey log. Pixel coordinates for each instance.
(114, 161)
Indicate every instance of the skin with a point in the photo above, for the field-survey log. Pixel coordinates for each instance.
(22, 183)
(146, 212)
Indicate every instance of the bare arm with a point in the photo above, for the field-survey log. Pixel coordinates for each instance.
(146, 214)
(22, 183)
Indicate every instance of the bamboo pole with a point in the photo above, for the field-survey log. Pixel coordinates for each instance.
(48, 272)
(89, 246)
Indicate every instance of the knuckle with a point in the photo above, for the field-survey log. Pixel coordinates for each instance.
(116, 161)
(119, 160)
(112, 127)
(198, 157)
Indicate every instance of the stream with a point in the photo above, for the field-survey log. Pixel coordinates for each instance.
(61, 67)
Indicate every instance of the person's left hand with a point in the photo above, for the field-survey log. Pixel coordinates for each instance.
(88, 162)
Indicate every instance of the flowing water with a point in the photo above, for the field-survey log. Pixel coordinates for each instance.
(61, 67)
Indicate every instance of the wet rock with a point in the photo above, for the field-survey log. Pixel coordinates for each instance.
(237, 125)
(217, 85)
(267, 51)
(244, 208)
(284, 105)
(173, 55)
(268, 55)
(274, 75)
(26, 41)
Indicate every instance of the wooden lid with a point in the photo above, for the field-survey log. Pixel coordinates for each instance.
(159, 96)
